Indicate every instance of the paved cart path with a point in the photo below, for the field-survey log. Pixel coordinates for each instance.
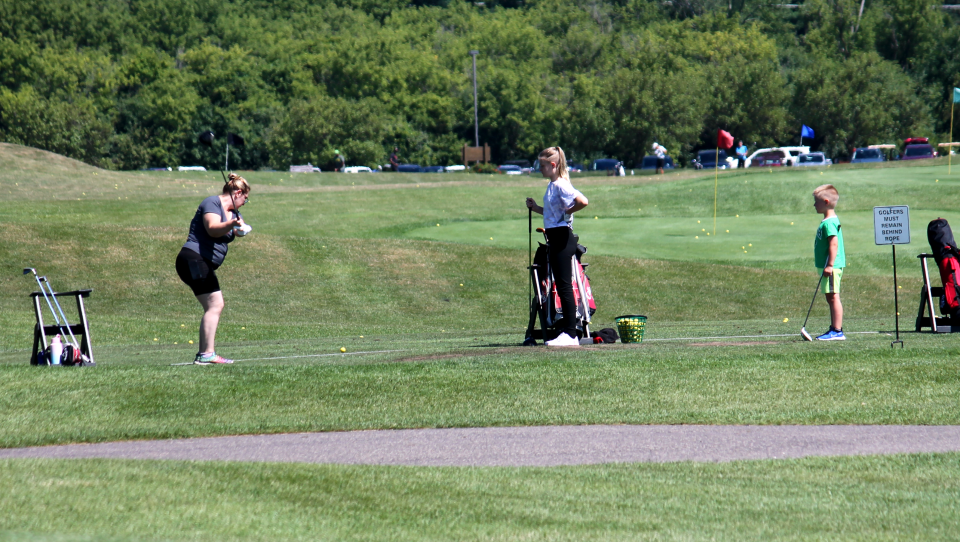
(530, 446)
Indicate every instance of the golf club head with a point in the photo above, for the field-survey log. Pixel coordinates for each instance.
(206, 138)
(806, 336)
(29, 270)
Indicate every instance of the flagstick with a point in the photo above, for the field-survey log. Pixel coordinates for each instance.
(716, 176)
(949, 149)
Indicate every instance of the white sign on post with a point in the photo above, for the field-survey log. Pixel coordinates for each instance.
(891, 225)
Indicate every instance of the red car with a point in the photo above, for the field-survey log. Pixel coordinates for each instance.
(918, 152)
(768, 159)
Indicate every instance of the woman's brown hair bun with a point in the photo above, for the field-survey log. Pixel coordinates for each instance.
(236, 182)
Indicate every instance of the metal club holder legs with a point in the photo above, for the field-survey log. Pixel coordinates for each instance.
(82, 329)
(928, 294)
(540, 306)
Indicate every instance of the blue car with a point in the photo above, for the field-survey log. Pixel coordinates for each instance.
(604, 164)
(433, 169)
(863, 155)
(707, 159)
(409, 168)
(650, 162)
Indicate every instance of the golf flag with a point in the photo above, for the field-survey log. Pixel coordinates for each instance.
(235, 140)
(956, 95)
(724, 139)
(806, 131)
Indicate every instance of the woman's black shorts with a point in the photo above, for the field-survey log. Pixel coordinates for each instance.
(661, 162)
(197, 273)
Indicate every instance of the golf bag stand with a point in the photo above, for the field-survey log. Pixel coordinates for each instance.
(545, 302)
(945, 254)
(42, 331)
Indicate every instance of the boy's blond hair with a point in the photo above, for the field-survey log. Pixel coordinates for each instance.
(827, 192)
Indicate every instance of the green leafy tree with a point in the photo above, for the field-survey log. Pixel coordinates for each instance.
(908, 30)
(312, 130)
(72, 128)
(838, 28)
(859, 101)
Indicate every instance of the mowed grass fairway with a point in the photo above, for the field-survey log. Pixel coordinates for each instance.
(401, 271)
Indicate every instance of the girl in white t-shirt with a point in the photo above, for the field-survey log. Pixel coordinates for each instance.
(560, 201)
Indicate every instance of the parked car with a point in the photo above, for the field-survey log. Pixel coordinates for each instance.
(790, 154)
(604, 164)
(813, 159)
(409, 168)
(793, 153)
(918, 152)
(357, 169)
(191, 168)
(772, 158)
(650, 162)
(572, 167)
(433, 169)
(458, 167)
(524, 165)
(308, 168)
(510, 169)
(707, 159)
(863, 155)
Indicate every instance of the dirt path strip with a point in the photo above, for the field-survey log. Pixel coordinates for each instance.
(530, 446)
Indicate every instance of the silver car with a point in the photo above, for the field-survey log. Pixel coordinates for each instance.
(813, 159)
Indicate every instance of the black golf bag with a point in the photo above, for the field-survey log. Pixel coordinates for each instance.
(945, 253)
(545, 303)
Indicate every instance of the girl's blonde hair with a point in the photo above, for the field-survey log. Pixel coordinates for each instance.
(236, 182)
(555, 154)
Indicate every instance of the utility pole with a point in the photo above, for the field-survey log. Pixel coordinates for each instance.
(476, 121)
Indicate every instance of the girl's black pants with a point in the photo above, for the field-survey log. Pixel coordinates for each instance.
(563, 246)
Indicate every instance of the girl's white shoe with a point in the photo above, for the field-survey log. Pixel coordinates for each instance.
(564, 340)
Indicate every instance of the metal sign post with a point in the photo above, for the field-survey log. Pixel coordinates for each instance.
(891, 226)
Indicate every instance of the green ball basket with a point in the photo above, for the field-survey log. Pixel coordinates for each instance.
(631, 328)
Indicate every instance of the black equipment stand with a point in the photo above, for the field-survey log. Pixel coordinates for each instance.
(40, 331)
(927, 294)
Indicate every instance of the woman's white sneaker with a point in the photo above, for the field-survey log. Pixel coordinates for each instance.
(564, 340)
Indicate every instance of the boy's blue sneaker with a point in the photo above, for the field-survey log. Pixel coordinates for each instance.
(832, 335)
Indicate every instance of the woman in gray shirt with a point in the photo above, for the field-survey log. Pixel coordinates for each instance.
(216, 223)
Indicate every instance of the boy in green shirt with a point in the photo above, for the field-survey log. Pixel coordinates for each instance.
(829, 257)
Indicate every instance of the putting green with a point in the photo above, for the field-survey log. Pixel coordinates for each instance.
(780, 241)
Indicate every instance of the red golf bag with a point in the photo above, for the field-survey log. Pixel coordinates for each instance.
(945, 253)
(546, 301)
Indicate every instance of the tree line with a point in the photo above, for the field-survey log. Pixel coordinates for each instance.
(128, 84)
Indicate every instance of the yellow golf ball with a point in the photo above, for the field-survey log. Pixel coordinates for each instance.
(342, 349)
